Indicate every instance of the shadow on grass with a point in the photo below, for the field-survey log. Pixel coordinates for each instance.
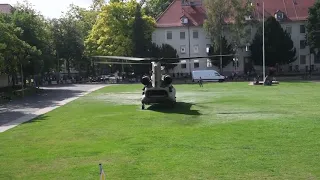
(37, 119)
(179, 108)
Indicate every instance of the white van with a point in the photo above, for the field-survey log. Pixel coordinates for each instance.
(207, 75)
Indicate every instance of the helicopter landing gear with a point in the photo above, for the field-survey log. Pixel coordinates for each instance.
(142, 107)
(173, 104)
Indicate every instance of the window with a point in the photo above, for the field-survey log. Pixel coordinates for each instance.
(196, 48)
(195, 34)
(182, 35)
(154, 36)
(302, 59)
(208, 48)
(196, 63)
(209, 64)
(183, 49)
(169, 35)
(312, 67)
(289, 29)
(317, 58)
(235, 63)
(302, 29)
(183, 64)
(302, 44)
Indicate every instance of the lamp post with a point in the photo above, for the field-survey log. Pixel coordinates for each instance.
(263, 48)
(235, 60)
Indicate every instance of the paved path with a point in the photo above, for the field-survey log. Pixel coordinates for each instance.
(20, 111)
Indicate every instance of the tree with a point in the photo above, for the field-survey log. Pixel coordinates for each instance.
(68, 41)
(112, 33)
(279, 48)
(226, 49)
(154, 8)
(97, 4)
(15, 53)
(139, 40)
(36, 33)
(313, 27)
(164, 51)
(219, 14)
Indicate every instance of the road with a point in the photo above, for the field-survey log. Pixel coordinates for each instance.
(19, 111)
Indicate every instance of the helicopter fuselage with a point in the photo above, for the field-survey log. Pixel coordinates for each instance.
(159, 95)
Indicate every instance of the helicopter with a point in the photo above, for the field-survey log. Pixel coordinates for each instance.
(158, 88)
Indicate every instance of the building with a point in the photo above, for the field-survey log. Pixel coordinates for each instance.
(4, 78)
(6, 8)
(181, 26)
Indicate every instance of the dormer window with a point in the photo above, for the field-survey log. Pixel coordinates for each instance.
(184, 20)
(279, 15)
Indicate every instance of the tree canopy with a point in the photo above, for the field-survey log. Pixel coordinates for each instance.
(112, 33)
(154, 8)
(313, 27)
(227, 48)
(279, 47)
(227, 15)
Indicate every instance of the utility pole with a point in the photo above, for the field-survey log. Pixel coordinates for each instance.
(22, 81)
(221, 53)
(263, 63)
(189, 49)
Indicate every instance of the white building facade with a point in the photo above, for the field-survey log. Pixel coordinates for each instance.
(181, 26)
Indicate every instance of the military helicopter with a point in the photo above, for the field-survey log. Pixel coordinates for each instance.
(158, 89)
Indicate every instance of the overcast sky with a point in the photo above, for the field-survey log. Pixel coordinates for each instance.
(51, 8)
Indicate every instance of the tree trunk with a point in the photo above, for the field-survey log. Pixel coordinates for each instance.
(68, 66)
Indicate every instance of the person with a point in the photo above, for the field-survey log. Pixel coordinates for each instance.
(200, 82)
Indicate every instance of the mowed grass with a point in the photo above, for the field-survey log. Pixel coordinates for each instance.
(220, 131)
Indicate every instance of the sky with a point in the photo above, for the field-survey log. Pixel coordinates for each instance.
(51, 8)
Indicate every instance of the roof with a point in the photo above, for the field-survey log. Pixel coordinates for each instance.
(5, 8)
(294, 10)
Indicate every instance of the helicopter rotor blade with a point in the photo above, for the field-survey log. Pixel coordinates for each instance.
(199, 57)
(106, 62)
(124, 58)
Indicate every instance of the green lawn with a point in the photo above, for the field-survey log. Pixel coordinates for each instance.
(221, 131)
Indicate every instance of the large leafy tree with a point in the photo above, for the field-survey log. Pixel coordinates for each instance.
(155, 7)
(164, 51)
(279, 48)
(15, 53)
(313, 27)
(227, 16)
(68, 41)
(112, 33)
(84, 19)
(34, 32)
(227, 49)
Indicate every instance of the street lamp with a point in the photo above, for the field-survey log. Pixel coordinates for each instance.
(235, 60)
(247, 47)
(263, 49)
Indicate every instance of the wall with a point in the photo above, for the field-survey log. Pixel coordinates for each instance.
(4, 81)
(160, 36)
(197, 48)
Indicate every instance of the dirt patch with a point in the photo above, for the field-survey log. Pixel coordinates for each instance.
(120, 98)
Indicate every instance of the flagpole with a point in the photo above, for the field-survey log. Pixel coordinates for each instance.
(263, 49)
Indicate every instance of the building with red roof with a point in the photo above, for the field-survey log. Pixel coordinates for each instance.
(5, 8)
(181, 26)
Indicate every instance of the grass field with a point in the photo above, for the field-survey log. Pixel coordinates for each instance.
(220, 131)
